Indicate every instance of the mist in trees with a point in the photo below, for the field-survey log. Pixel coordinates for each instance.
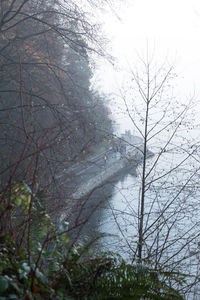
(51, 118)
(48, 109)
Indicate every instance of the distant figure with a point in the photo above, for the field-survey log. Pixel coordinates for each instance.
(121, 150)
(105, 159)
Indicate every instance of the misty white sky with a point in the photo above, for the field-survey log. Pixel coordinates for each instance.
(170, 27)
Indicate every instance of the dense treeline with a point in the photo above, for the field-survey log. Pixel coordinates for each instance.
(49, 114)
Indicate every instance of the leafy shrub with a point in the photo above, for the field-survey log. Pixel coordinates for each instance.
(44, 265)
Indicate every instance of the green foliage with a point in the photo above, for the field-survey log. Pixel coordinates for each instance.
(46, 266)
(125, 281)
(21, 196)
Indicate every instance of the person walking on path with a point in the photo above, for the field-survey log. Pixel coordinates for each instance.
(105, 159)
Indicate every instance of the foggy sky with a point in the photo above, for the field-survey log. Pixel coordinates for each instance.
(170, 27)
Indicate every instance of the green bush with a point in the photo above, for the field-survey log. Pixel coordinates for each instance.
(44, 265)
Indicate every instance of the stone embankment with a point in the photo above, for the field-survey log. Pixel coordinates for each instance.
(134, 157)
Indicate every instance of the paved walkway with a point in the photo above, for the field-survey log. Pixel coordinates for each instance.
(109, 170)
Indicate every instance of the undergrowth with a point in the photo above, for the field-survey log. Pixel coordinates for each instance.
(37, 260)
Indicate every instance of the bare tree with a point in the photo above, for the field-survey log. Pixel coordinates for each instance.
(163, 212)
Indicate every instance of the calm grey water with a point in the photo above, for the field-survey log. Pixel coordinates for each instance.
(112, 204)
(171, 220)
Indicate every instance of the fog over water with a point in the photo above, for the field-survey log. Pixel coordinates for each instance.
(168, 33)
